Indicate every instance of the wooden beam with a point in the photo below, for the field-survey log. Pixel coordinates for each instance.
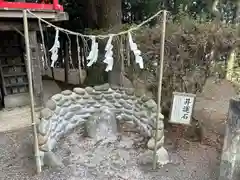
(36, 69)
(9, 25)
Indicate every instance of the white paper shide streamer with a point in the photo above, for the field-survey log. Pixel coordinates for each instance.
(54, 49)
(109, 54)
(136, 51)
(93, 55)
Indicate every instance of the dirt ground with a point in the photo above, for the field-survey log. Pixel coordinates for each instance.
(191, 160)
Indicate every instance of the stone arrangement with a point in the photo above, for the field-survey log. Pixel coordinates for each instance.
(70, 109)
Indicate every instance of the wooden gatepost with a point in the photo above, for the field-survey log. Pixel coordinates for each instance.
(230, 162)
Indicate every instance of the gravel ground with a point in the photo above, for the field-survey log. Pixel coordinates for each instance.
(86, 160)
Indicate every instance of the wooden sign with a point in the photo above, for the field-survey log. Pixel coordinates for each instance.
(182, 108)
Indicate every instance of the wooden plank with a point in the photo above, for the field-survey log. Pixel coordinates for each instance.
(36, 68)
(47, 15)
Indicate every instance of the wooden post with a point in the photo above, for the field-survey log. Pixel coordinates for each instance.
(36, 69)
(66, 61)
(230, 161)
(159, 86)
(30, 80)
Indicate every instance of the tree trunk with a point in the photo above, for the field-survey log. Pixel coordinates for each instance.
(91, 14)
(110, 15)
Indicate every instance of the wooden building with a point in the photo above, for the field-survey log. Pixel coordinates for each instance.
(13, 74)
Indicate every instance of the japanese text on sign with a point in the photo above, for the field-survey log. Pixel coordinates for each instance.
(182, 107)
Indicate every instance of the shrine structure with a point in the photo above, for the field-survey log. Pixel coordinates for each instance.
(13, 73)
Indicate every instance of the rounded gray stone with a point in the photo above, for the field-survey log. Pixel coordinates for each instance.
(141, 114)
(86, 96)
(62, 101)
(66, 93)
(46, 113)
(89, 90)
(108, 96)
(146, 98)
(104, 87)
(118, 96)
(75, 108)
(42, 139)
(44, 127)
(79, 91)
(125, 97)
(68, 116)
(114, 88)
(150, 104)
(151, 143)
(98, 97)
(51, 105)
(67, 103)
(117, 105)
(138, 93)
(129, 92)
(57, 97)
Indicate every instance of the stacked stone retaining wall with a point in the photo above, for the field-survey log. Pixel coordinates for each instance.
(70, 109)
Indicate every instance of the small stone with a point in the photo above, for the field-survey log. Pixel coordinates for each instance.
(108, 96)
(66, 93)
(139, 93)
(46, 113)
(114, 88)
(163, 157)
(130, 92)
(68, 116)
(150, 104)
(62, 101)
(91, 101)
(125, 97)
(75, 108)
(51, 105)
(51, 160)
(118, 96)
(57, 97)
(145, 98)
(160, 134)
(140, 114)
(86, 96)
(79, 91)
(97, 105)
(67, 103)
(127, 106)
(117, 105)
(44, 127)
(151, 143)
(45, 148)
(98, 97)
(89, 90)
(42, 139)
(104, 87)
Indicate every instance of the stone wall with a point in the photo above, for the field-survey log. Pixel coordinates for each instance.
(71, 109)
